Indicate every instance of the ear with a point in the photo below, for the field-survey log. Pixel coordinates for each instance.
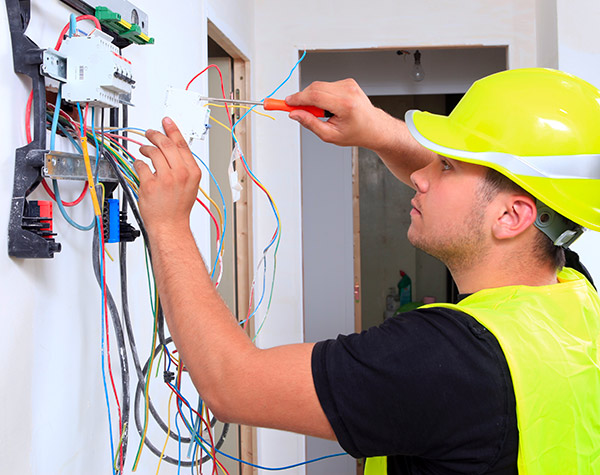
(515, 214)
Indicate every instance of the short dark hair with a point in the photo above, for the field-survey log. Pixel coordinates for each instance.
(496, 182)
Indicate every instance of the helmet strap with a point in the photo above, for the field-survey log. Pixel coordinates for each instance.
(562, 231)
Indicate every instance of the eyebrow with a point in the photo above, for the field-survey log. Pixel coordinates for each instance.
(451, 160)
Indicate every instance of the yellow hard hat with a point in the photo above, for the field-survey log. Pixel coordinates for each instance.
(539, 127)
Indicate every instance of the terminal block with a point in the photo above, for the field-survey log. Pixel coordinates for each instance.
(115, 22)
(124, 21)
(115, 225)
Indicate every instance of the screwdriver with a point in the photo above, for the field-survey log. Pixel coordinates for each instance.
(274, 105)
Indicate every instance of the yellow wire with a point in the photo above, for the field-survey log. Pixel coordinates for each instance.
(220, 123)
(239, 106)
(90, 177)
(263, 186)
(147, 389)
(119, 447)
(102, 209)
(160, 459)
(109, 146)
(215, 205)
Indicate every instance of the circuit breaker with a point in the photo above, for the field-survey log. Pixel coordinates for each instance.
(96, 73)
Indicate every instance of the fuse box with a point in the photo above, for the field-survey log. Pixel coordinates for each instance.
(96, 73)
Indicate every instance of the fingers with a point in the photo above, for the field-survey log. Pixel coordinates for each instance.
(175, 135)
(143, 170)
(158, 159)
(332, 96)
(322, 129)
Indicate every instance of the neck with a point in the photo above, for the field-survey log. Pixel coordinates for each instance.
(496, 270)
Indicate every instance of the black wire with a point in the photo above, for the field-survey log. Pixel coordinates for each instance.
(120, 340)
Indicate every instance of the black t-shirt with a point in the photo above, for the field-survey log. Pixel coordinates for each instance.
(429, 388)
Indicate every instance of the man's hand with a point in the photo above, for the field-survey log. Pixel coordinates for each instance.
(166, 196)
(356, 122)
(352, 109)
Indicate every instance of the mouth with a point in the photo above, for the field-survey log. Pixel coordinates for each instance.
(415, 211)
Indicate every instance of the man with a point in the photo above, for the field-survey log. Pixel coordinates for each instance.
(507, 380)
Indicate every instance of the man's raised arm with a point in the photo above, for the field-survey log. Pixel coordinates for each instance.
(356, 122)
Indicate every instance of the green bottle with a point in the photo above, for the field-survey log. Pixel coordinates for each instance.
(404, 288)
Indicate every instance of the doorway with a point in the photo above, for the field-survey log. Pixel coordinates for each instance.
(235, 284)
(351, 203)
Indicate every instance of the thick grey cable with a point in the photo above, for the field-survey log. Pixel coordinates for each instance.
(184, 440)
(141, 372)
(120, 340)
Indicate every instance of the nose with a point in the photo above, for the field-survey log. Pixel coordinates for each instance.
(419, 180)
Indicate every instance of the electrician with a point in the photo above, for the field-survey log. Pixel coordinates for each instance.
(506, 380)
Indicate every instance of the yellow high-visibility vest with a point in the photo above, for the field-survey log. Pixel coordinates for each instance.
(550, 336)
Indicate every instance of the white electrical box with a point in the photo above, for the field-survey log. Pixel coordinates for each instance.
(189, 111)
(96, 73)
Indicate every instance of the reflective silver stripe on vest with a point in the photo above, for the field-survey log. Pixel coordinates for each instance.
(547, 166)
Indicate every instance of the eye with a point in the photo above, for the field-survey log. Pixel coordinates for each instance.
(445, 164)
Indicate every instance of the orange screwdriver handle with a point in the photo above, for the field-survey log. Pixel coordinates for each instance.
(280, 105)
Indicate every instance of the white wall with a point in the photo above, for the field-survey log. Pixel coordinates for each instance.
(579, 54)
(52, 404)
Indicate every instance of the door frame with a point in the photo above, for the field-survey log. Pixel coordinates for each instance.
(243, 237)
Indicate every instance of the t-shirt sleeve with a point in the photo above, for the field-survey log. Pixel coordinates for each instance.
(421, 384)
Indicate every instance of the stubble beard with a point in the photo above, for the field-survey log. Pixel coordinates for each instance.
(459, 246)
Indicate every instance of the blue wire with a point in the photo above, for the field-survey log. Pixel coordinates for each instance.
(196, 425)
(199, 438)
(67, 134)
(257, 306)
(224, 213)
(96, 144)
(72, 25)
(127, 128)
(55, 124)
(195, 444)
(112, 449)
(179, 442)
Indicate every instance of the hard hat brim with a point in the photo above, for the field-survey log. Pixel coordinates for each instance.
(439, 134)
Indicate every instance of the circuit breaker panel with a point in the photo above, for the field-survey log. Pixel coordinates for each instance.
(88, 69)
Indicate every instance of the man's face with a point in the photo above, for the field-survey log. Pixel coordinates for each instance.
(448, 215)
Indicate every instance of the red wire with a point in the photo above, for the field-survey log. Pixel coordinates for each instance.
(30, 103)
(66, 28)
(112, 381)
(28, 118)
(122, 137)
(65, 203)
(212, 216)
(222, 87)
(212, 442)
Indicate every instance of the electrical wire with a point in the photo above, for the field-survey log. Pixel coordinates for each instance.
(277, 235)
(58, 199)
